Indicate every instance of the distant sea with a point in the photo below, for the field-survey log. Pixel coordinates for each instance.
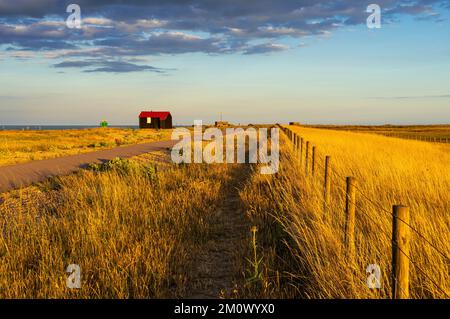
(56, 127)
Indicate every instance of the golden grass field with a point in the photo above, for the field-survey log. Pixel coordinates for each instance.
(435, 133)
(389, 171)
(138, 233)
(24, 146)
(133, 232)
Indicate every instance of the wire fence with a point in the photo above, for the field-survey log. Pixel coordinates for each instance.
(423, 138)
(308, 156)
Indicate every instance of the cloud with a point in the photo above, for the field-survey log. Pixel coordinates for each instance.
(75, 64)
(117, 29)
(160, 43)
(124, 67)
(22, 54)
(29, 8)
(41, 35)
(109, 66)
(265, 48)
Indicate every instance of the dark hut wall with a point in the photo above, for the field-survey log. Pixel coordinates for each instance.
(143, 123)
(167, 123)
(156, 123)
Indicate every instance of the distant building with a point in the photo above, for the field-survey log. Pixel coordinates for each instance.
(221, 124)
(155, 120)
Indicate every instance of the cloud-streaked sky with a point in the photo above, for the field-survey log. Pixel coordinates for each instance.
(253, 61)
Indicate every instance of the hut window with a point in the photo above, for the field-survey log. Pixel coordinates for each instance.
(149, 120)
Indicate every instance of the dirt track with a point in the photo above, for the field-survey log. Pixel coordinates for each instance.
(23, 175)
(218, 266)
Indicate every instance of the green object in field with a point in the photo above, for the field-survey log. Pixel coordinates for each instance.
(104, 124)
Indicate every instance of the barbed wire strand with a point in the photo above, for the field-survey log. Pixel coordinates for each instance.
(390, 213)
(420, 269)
(407, 224)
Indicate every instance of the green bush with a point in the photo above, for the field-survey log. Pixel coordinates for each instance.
(125, 166)
(101, 144)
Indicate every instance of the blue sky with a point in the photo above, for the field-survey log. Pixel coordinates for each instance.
(254, 62)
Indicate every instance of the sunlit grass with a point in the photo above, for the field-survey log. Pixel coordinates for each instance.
(310, 246)
(24, 146)
(132, 231)
(135, 231)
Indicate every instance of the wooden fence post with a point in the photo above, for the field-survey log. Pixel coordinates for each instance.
(307, 158)
(350, 208)
(301, 150)
(400, 252)
(313, 160)
(327, 183)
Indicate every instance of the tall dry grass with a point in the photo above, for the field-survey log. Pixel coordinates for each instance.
(302, 244)
(433, 133)
(133, 232)
(24, 146)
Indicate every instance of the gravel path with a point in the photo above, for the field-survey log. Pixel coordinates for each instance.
(22, 175)
(218, 266)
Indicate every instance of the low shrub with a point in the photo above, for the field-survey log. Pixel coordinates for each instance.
(125, 166)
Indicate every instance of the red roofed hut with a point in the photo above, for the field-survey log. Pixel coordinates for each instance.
(155, 120)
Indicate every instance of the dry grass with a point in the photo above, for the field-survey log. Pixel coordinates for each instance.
(133, 232)
(136, 234)
(303, 246)
(434, 133)
(23, 146)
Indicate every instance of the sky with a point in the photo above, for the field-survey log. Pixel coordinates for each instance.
(254, 61)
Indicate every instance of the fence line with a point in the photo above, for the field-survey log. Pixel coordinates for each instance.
(384, 210)
(424, 273)
(400, 218)
(423, 138)
(391, 215)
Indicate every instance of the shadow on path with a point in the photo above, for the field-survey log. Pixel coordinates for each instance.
(218, 265)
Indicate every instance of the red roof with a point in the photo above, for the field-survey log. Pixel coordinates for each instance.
(160, 115)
